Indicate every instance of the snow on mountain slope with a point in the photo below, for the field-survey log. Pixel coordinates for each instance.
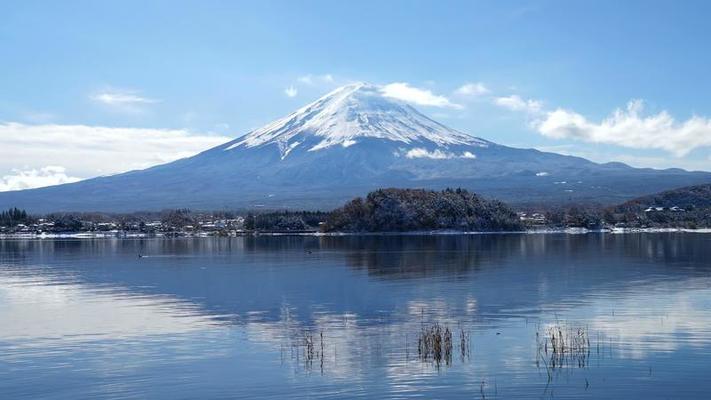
(354, 112)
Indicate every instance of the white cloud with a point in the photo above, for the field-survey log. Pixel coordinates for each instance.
(89, 151)
(314, 79)
(472, 89)
(291, 91)
(517, 103)
(122, 100)
(403, 91)
(629, 128)
(35, 178)
(437, 154)
(115, 97)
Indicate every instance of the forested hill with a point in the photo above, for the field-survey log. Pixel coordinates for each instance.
(690, 197)
(398, 210)
(686, 207)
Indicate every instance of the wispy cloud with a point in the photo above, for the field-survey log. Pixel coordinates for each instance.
(517, 103)
(424, 97)
(291, 91)
(630, 128)
(95, 150)
(35, 178)
(311, 79)
(122, 100)
(121, 97)
(472, 89)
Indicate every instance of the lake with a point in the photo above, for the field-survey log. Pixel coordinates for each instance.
(450, 316)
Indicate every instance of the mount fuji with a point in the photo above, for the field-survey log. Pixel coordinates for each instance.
(344, 144)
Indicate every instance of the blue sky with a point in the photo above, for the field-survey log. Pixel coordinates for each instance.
(89, 88)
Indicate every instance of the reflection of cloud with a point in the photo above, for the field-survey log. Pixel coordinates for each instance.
(661, 322)
(649, 319)
(371, 336)
(35, 311)
(354, 345)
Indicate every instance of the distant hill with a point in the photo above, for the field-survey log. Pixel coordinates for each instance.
(352, 141)
(689, 197)
(397, 210)
(686, 207)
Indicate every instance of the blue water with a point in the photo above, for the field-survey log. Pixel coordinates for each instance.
(231, 318)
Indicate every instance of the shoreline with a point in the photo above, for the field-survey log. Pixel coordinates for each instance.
(122, 235)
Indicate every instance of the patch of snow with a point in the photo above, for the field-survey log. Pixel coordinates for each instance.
(285, 149)
(542, 173)
(348, 143)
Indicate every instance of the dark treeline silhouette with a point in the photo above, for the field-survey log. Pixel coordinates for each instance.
(285, 221)
(575, 216)
(398, 210)
(13, 216)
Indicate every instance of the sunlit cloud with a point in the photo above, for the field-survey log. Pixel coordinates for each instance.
(35, 178)
(472, 89)
(517, 103)
(630, 128)
(423, 97)
(88, 151)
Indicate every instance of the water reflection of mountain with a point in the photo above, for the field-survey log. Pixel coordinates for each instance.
(476, 277)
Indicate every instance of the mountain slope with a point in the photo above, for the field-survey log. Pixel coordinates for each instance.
(347, 143)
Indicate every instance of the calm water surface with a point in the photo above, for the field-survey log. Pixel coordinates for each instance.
(341, 317)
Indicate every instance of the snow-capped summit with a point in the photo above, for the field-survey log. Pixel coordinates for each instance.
(349, 113)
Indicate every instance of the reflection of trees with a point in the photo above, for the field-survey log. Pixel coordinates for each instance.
(679, 249)
(422, 256)
(522, 271)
